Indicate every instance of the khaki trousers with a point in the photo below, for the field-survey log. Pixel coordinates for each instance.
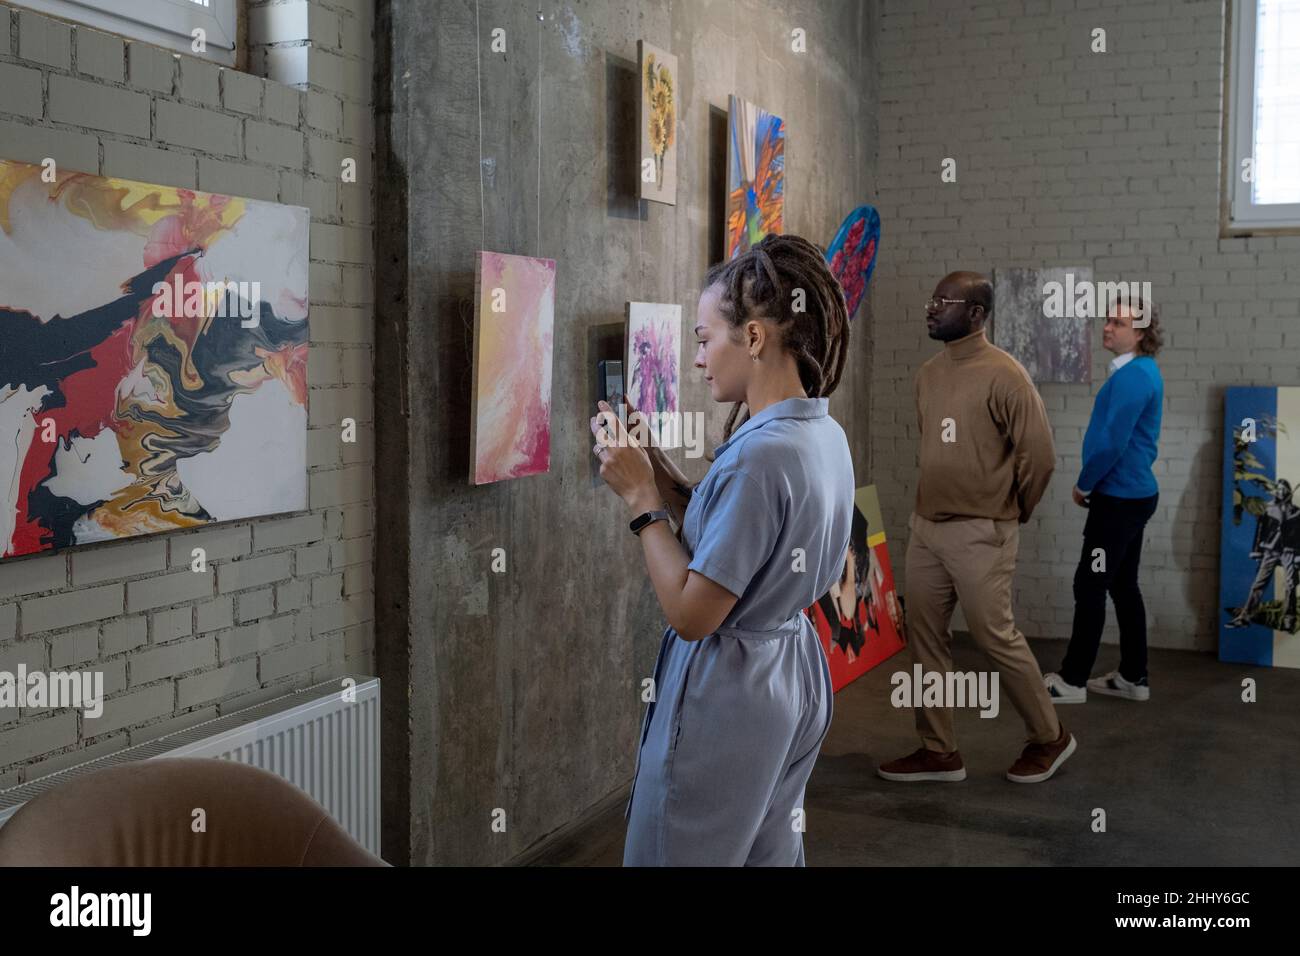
(973, 561)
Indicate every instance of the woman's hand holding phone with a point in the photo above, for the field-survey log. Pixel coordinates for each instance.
(624, 464)
(671, 481)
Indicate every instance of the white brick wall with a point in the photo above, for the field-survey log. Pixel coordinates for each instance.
(20, 90)
(43, 40)
(177, 647)
(1069, 157)
(101, 55)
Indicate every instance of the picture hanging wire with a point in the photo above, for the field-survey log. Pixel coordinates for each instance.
(466, 317)
(478, 60)
(540, 19)
(640, 203)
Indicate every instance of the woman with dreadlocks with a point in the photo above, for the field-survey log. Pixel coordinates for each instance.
(742, 692)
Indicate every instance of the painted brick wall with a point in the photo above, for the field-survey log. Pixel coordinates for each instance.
(1069, 157)
(286, 601)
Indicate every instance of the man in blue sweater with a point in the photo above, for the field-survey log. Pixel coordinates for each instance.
(1118, 488)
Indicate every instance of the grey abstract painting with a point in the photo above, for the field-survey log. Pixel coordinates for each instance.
(1040, 325)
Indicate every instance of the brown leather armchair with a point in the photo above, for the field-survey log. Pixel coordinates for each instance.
(143, 814)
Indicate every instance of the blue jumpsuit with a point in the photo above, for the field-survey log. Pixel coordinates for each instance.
(738, 718)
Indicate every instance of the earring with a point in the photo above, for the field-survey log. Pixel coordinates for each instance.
(754, 356)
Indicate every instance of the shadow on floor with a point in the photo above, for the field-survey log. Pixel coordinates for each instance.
(1194, 777)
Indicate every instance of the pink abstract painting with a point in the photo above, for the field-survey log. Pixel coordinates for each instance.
(513, 347)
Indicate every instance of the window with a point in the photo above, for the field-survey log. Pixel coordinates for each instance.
(1264, 116)
(167, 23)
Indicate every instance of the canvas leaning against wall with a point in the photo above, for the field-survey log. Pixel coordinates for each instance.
(755, 175)
(1259, 553)
(153, 358)
(654, 361)
(658, 122)
(1036, 320)
(859, 620)
(514, 325)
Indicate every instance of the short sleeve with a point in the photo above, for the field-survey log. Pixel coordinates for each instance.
(738, 530)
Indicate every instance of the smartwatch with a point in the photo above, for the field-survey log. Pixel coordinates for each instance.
(642, 521)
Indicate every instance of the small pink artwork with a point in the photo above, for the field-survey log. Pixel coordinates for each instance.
(510, 431)
(654, 356)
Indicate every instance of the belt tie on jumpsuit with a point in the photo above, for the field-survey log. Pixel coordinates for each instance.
(792, 626)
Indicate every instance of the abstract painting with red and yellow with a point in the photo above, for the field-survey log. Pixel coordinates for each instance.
(755, 175)
(514, 332)
(153, 358)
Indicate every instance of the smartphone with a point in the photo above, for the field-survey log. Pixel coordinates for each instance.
(611, 386)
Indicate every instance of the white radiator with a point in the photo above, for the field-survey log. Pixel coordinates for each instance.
(313, 738)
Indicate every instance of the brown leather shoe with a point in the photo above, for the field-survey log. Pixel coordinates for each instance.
(924, 765)
(1039, 761)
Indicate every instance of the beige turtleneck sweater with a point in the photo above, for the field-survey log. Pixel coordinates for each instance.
(986, 444)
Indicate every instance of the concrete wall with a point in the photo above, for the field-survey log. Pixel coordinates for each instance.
(1069, 157)
(288, 600)
(524, 687)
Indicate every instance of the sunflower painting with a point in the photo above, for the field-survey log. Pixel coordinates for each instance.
(658, 155)
(755, 175)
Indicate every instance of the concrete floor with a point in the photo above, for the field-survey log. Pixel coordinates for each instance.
(1194, 777)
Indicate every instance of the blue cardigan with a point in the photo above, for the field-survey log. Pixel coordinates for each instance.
(1120, 445)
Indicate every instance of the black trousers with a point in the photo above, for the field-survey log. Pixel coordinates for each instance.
(1113, 531)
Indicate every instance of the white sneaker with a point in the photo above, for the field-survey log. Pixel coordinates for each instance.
(1113, 685)
(1063, 693)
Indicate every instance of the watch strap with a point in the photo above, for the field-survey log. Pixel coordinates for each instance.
(645, 519)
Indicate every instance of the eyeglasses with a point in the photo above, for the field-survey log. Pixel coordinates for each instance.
(938, 305)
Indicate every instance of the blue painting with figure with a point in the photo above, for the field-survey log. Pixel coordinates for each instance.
(1259, 560)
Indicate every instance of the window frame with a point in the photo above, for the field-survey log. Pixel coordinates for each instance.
(1241, 215)
(164, 23)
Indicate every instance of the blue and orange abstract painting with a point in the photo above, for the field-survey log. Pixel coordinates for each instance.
(1259, 552)
(852, 254)
(755, 175)
(153, 358)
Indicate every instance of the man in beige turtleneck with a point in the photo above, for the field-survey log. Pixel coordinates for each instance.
(986, 457)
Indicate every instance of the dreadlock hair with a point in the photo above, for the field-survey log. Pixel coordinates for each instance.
(761, 283)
